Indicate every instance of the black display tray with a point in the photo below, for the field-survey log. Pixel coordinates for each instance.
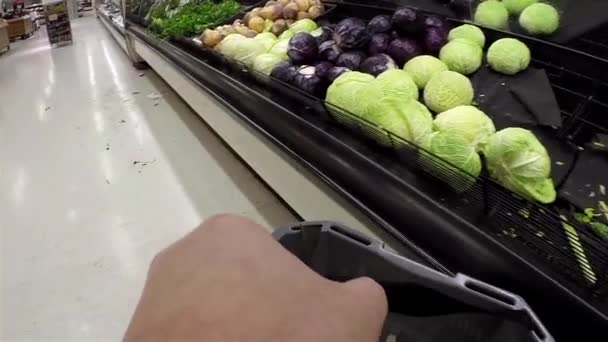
(395, 197)
(541, 234)
(583, 23)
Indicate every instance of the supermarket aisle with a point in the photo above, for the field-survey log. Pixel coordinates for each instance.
(100, 167)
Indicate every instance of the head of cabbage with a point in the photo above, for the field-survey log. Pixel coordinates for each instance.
(354, 92)
(448, 89)
(229, 44)
(265, 62)
(397, 83)
(267, 39)
(450, 157)
(287, 34)
(241, 48)
(468, 122)
(403, 117)
(280, 48)
(303, 25)
(518, 161)
(421, 68)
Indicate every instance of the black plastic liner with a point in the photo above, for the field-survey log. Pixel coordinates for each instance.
(424, 305)
(395, 197)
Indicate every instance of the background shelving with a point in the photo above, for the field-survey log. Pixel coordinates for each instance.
(58, 22)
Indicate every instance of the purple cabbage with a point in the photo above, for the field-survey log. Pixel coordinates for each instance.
(377, 64)
(322, 69)
(403, 49)
(351, 59)
(323, 34)
(329, 51)
(284, 71)
(434, 39)
(379, 24)
(407, 21)
(433, 21)
(335, 72)
(307, 81)
(302, 48)
(378, 44)
(351, 33)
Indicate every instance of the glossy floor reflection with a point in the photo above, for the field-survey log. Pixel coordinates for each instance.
(100, 167)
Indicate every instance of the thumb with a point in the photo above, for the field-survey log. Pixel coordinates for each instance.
(369, 294)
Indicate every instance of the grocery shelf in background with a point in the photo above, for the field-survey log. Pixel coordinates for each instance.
(57, 20)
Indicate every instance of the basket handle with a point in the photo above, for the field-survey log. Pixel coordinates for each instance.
(340, 253)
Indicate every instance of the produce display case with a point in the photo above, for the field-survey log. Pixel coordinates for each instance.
(536, 250)
(583, 24)
(110, 13)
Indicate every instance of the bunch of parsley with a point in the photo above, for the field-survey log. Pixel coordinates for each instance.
(194, 17)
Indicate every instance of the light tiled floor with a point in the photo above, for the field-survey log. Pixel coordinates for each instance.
(96, 175)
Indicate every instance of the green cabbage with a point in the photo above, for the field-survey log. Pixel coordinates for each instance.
(470, 32)
(539, 19)
(303, 25)
(287, 34)
(397, 83)
(244, 50)
(493, 14)
(461, 55)
(267, 39)
(518, 161)
(229, 45)
(468, 122)
(406, 118)
(454, 160)
(248, 49)
(508, 56)
(280, 48)
(354, 92)
(447, 89)
(421, 68)
(265, 62)
(515, 7)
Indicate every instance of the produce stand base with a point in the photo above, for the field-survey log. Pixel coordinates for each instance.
(20, 28)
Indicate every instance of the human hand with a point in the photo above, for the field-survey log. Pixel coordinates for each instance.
(229, 280)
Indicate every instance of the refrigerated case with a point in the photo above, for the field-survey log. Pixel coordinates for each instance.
(110, 13)
(485, 231)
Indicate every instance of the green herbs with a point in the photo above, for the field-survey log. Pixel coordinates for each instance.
(590, 217)
(193, 18)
